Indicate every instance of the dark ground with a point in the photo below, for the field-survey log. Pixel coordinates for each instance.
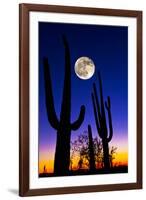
(114, 170)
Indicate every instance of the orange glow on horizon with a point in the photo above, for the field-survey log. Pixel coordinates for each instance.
(49, 165)
(46, 156)
(121, 159)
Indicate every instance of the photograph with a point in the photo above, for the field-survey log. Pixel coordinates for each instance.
(83, 99)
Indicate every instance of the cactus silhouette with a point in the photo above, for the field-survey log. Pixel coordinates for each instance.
(91, 150)
(63, 126)
(45, 170)
(100, 119)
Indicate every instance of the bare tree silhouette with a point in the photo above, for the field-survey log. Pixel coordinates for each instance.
(112, 155)
(88, 150)
(79, 149)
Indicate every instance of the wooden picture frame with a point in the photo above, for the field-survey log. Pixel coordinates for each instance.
(24, 94)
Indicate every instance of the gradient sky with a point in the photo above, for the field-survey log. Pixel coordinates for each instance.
(107, 46)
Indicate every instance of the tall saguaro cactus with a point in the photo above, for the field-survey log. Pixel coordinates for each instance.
(104, 132)
(63, 126)
(91, 150)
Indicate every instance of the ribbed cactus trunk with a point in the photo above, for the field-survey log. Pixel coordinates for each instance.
(62, 153)
(106, 154)
(100, 119)
(64, 126)
(91, 150)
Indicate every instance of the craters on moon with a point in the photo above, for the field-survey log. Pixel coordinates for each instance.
(84, 68)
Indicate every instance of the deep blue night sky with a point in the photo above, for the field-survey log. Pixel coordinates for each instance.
(107, 46)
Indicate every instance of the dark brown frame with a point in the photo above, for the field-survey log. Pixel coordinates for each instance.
(24, 10)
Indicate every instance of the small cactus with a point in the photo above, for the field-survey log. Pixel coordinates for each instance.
(91, 150)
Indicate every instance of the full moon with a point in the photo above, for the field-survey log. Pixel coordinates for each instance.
(84, 68)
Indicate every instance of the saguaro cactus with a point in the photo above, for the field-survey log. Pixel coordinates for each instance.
(100, 119)
(91, 150)
(63, 126)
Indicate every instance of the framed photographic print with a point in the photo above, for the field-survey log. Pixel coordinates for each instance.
(80, 99)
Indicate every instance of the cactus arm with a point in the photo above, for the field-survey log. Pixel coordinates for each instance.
(95, 115)
(101, 97)
(97, 100)
(75, 125)
(51, 114)
(108, 107)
